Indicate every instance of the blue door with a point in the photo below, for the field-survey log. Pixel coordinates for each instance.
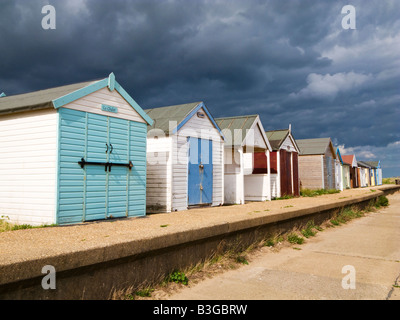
(118, 177)
(95, 197)
(106, 188)
(200, 171)
(97, 190)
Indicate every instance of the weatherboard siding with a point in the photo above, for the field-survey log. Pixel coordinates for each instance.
(159, 175)
(91, 193)
(329, 169)
(28, 167)
(179, 173)
(288, 145)
(93, 102)
(310, 171)
(202, 128)
(274, 185)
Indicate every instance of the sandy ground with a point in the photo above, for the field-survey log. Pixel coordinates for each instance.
(314, 271)
(28, 244)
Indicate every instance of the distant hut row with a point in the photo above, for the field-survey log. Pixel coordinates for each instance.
(88, 151)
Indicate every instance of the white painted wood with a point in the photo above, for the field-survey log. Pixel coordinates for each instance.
(167, 184)
(269, 174)
(28, 167)
(201, 128)
(274, 185)
(248, 163)
(288, 144)
(278, 163)
(159, 175)
(92, 103)
(322, 170)
(256, 187)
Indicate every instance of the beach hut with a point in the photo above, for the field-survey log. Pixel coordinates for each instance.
(354, 176)
(339, 171)
(376, 171)
(72, 154)
(367, 172)
(284, 163)
(246, 144)
(317, 163)
(185, 159)
(363, 171)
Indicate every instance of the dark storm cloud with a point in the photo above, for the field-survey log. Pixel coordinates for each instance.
(289, 61)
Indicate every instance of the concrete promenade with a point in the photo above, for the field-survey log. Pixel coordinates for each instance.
(93, 259)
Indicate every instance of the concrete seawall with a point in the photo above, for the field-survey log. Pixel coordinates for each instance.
(94, 260)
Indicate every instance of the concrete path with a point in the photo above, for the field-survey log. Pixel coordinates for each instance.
(370, 244)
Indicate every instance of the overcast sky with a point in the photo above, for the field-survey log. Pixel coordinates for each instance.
(290, 61)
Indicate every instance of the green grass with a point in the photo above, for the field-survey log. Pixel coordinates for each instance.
(241, 259)
(178, 277)
(284, 197)
(335, 222)
(382, 201)
(269, 242)
(146, 292)
(315, 193)
(308, 230)
(7, 226)
(351, 213)
(390, 180)
(294, 238)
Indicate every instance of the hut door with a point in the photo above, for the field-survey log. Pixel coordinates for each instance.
(118, 177)
(285, 173)
(200, 171)
(106, 187)
(95, 195)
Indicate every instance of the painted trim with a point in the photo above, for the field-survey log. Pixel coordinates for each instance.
(109, 82)
(58, 169)
(323, 172)
(262, 130)
(340, 156)
(62, 101)
(192, 113)
(133, 103)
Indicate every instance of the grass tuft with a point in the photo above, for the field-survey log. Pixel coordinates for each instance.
(319, 192)
(294, 238)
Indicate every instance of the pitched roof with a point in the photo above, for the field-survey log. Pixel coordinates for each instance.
(350, 159)
(61, 96)
(238, 135)
(163, 115)
(237, 126)
(315, 146)
(373, 164)
(363, 164)
(276, 137)
(38, 99)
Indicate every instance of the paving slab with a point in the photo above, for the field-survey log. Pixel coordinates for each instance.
(369, 244)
